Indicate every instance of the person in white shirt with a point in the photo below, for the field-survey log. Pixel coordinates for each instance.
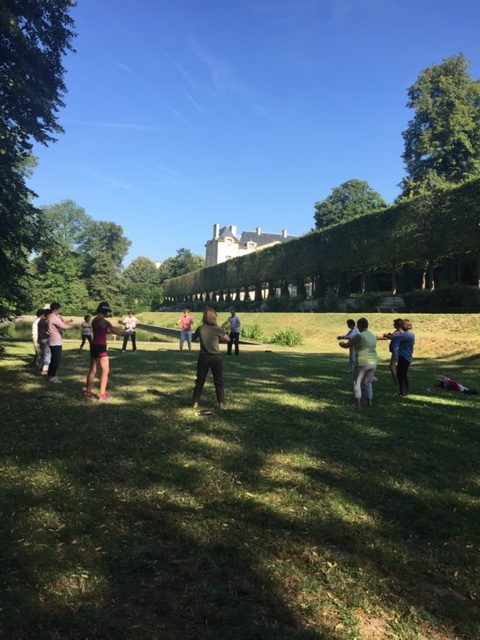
(130, 322)
(352, 332)
(234, 323)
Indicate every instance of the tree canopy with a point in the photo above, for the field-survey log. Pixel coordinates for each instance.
(35, 35)
(350, 200)
(442, 141)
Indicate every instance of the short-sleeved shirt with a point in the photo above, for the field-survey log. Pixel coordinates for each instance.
(130, 323)
(366, 351)
(406, 344)
(234, 324)
(209, 336)
(186, 323)
(86, 328)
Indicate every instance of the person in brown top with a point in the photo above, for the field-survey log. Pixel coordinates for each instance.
(209, 334)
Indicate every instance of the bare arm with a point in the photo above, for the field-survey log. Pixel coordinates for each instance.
(350, 344)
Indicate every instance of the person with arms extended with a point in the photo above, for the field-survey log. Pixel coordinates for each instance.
(130, 323)
(185, 322)
(43, 340)
(352, 332)
(86, 331)
(366, 361)
(393, 348)
(406, 344)
(98, 351)
(209, 334)
(234, 324)
(56, 327)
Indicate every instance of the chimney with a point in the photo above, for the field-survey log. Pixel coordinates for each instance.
(259, 231)
(284, 233)
(233, 229)
(216, 231)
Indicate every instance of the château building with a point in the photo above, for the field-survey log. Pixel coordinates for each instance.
(226, 244)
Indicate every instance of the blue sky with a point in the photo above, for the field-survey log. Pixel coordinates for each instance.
(183, 113)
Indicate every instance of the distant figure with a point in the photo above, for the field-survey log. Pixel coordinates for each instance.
(185, 322)
(209, 334)
(36, 344)
(43, 341)
(366, 361)
(98, 351)
(406, 344)
(86, 331)
(352, 332)
(56, 327)
(234, 323)
(130, 322)
(393, 348)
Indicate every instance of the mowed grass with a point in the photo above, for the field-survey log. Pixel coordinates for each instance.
(291, 515)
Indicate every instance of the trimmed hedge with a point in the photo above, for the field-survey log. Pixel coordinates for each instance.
(421, 231)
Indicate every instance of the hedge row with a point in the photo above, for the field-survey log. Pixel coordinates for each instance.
(421, 231)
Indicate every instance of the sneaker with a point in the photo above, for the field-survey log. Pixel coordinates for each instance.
(103, 397)
(88, 395)
(55, 380)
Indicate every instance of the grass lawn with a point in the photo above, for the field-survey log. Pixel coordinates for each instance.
(289, 516)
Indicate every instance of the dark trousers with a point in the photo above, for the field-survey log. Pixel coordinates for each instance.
(85, 339)
(125, 341)
(55, 361)
(402, 370)
(234, 338)
(206, 362)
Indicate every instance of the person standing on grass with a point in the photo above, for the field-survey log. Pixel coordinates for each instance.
(86, 331)
(101, 327)
(185, 322)
(393, 348)
(352, 331)
(406, 345)
(56, 327)
(366, 361)
(36, 343)
(43, 341)
(209, 334)
(130, 322)
(234, 322)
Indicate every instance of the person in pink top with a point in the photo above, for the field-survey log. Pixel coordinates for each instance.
(56, 327)
(186, 323)
(98, 351)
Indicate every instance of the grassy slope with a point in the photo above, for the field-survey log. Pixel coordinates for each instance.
(289, 516)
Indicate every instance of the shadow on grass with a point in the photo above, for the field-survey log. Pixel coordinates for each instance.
(280, 518)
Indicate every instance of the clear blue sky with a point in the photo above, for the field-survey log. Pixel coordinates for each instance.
(183, 113)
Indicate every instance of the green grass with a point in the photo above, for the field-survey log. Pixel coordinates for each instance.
(289, 516)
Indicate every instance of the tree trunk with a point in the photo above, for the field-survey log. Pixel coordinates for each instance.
(284, 288)
(478, 270)
(258, 293)
(363, 281)
(431, 273)
(394, 282)
(424, 277)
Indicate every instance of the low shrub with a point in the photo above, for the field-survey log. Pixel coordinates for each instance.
(253, 332)
(288, 337)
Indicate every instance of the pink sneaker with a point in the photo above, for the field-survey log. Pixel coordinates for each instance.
(88, 395)
(104, 396)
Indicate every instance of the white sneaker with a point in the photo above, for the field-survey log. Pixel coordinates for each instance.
(55, 380)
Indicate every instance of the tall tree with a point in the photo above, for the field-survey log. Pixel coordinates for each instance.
(184, 262)
(442, 141)
(141, 284)
(35, 35)
(67, 223)
(350, 200)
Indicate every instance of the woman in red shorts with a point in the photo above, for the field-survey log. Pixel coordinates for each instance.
(98, 351)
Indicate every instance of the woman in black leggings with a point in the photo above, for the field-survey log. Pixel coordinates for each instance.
(406, 343)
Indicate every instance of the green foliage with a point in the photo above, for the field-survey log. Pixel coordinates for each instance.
(288, 337)
(351, 199)
(442, 141)
(444, 299)
(34, 37)
(253, 332)
(184, 262)
(141, 285)
(425, 229)
(368, 301)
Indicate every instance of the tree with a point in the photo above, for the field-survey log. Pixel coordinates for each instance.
(350, 200)
(35, 35)
(184, 262)
(442, 141)
(141, 284)
(67, 223)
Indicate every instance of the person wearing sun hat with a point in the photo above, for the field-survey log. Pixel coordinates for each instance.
(101, 327)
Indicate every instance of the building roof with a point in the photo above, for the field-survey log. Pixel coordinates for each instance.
(226, 232)
(263, 238)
